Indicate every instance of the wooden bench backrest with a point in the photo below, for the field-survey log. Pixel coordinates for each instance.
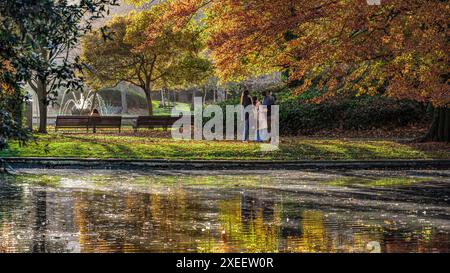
(156, 120)
(74, 121)
(115, 121)
(78, 121)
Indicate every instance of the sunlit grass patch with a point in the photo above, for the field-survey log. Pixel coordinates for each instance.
(350, 149)
(142, 147)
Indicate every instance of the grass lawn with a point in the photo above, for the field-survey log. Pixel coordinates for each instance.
(167, 111)
(145, 147)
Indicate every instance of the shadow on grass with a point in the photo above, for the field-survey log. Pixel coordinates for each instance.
(349, 149)
(324, 151)
(114, 148)
(141, 146)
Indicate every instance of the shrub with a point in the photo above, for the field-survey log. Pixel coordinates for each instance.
(134, 98)
(12, 100)
(343, 112)
(348, 113)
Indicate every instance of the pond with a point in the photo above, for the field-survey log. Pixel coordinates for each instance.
(225, 211)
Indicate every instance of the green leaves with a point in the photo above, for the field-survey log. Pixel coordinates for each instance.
(36, 38)
(174, 59)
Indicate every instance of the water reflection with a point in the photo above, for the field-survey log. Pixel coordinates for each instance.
(110, 211)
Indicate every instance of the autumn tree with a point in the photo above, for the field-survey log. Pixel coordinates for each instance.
(50, 30)
(398, 49)
(15, 60)
(28, 29)
(11, 102)
(11, 96)
(175, 59)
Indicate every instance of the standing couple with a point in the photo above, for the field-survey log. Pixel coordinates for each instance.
(261, 113)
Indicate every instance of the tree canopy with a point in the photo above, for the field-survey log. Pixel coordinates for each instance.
(43, 35)
(176, 58)
(398, 48)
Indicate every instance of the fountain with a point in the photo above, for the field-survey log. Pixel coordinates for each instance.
(82, 104)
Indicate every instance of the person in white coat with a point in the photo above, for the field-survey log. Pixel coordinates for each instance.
(262, 121)
(260, 112)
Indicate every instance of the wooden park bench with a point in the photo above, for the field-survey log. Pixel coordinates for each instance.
(152, 122)
(88, 122)
(109, 122)
(72, 122)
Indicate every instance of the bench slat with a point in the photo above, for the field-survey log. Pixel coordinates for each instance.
(155, 122)
(88, 122)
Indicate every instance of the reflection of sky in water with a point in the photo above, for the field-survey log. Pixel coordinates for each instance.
(225, 211)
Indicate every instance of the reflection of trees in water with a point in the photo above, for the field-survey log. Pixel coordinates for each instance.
(250, 225)
(10, 195)
(40, 225)
(10, 199)
(137, 222)
(253, 226)
(52, 218)
(250, 206)
(177, 220)
(29, 217)
(423, 240)
(317, 235)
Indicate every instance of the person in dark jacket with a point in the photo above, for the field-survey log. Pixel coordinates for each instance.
(246, 101)
(95, 113)
(268, 101)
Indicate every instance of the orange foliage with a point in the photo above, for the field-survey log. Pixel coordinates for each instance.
(5, 88)
(343, 44)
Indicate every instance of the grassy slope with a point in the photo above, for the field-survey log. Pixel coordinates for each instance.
(134, 147)
(166, 111)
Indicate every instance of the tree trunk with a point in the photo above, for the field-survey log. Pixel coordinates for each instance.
(193, 98)
(42, 117)
(149, 101)
(123, 98)
(163, 101)
(42, 100)
(440, 126)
